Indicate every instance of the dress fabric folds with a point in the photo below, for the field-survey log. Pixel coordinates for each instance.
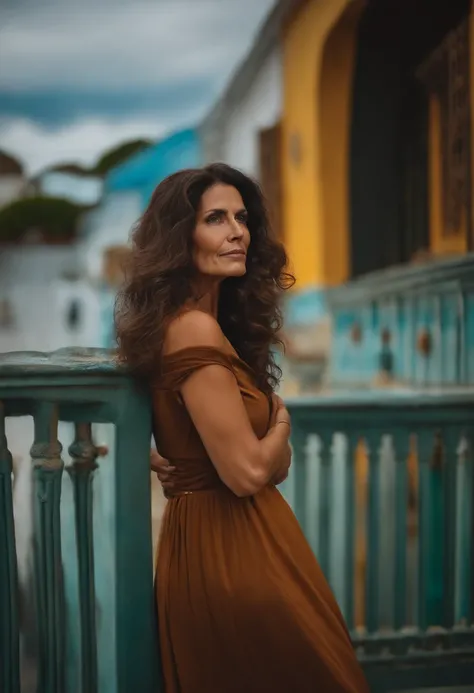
(243, 606)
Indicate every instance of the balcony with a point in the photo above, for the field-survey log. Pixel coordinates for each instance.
(382, 485)
(410, 325)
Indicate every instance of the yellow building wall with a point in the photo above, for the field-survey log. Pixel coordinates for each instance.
(319, 45)
(318, 62)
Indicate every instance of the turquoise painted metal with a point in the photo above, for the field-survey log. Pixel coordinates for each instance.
(9, 603)
(417, 629)
(83, 387)
(414, 322)
(83, 453)
(418, 625)
(48, 469)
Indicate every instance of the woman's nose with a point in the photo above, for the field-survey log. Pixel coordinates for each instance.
(236, 229)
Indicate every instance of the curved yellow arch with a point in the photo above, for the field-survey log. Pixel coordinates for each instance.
(335, 108)
(318, 56)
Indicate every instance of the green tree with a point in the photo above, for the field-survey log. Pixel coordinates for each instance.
(119, 154)
(53, 218)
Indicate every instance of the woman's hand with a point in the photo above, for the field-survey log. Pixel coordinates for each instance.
(277, 405)
(163, 469)
(281, 416)
(281, 476)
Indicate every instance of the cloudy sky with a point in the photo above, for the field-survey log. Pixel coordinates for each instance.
(79, 76)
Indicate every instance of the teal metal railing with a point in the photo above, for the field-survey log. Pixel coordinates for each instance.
(396, 546)
(95, 626)
(407, 537)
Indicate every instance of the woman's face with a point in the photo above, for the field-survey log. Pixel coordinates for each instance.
(221, 237)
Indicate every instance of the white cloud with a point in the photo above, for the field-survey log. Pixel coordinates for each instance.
(63, 48)
(81, 142)
(125, 44)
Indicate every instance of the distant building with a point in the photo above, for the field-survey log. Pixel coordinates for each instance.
(12, 179)
(127, 190)
(377, 134)
(243, 128)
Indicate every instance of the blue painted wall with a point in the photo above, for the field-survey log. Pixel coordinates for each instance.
(305, 307)
(146, 169)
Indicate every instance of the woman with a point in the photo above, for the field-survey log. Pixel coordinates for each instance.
(243, 606)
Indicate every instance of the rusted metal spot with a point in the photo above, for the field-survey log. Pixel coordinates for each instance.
(356, 333)
(424, 342)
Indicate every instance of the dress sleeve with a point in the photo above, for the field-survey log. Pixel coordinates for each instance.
(178, 366)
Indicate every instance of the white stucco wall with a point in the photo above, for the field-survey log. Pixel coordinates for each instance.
(259, 108)
(84, 190)
(31, 279)
(108, 225)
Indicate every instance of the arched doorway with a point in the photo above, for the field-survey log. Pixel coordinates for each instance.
(389, 167)
(334, 118)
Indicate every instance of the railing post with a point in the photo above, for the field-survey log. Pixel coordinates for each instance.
(83, 453)
(137, 650)
(9, 602)
(48, 471)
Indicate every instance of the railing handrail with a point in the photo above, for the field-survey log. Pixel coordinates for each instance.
(402, 279)
(363, 400)
(82, 387)
(66, 361)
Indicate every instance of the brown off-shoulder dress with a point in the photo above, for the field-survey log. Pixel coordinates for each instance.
(243, 606)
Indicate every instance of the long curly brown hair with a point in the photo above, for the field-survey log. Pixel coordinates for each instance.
(160, 272)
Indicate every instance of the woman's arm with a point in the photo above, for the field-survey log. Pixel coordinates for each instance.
(213, 399)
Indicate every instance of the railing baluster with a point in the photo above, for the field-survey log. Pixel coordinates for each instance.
(83, 453)
(424, 448)
(325, 468)
(298, 442)
(430, 570)
(470, 549)
(312, 519)
(48, 470)
(466, 553)
(401, 446)
(9, 602)
(451, 441)
(350, 529)
(373, 519)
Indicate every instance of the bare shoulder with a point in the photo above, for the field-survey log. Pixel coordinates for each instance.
(193, 328)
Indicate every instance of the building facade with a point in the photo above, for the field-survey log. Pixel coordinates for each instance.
(377, 180)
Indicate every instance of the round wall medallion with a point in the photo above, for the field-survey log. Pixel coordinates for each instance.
(356, 333)
(424, 342)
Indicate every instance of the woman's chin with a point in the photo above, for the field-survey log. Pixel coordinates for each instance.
(237, 272)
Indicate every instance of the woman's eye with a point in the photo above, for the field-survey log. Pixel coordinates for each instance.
(213, 218)
(243, 219)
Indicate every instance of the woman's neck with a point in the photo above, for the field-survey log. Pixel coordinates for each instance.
(207, 299)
